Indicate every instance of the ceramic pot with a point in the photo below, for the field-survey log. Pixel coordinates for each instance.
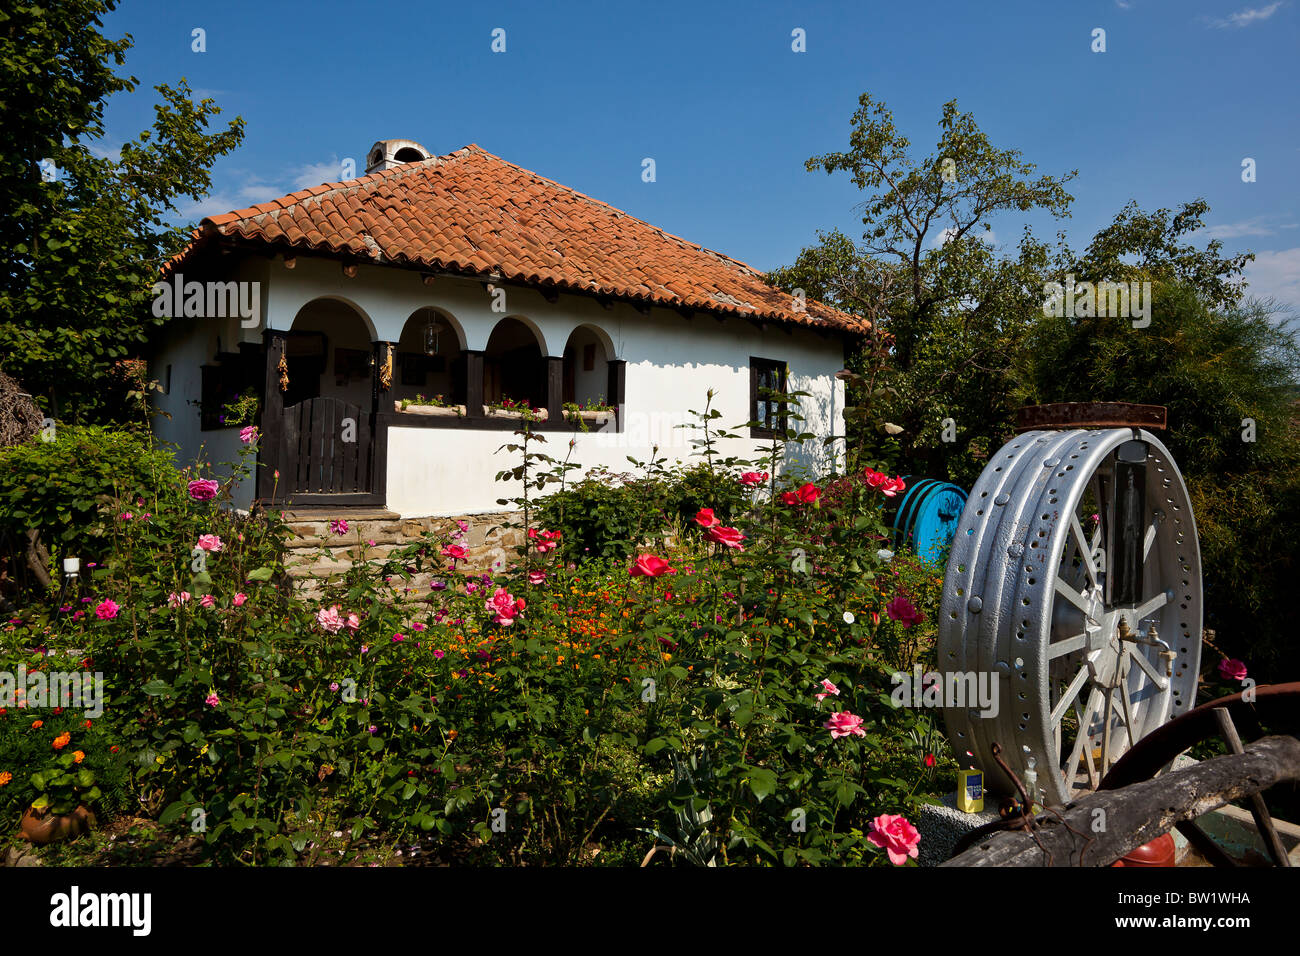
(41, 827)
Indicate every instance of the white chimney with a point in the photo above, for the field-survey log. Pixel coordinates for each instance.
(388, 153)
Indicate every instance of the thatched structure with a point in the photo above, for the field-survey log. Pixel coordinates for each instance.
(20, 418)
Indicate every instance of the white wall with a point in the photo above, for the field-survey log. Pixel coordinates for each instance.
(187, 344)
(672, 362)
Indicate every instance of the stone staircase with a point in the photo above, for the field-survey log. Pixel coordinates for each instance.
(374, 533)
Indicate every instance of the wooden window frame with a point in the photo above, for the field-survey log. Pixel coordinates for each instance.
(756, 366)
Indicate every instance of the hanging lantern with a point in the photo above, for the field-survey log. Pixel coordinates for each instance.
(432, 333)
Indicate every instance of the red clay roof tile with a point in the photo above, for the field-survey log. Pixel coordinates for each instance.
(473, 211)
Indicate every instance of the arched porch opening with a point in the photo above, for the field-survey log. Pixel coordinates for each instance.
(514, 367)
(430, 359)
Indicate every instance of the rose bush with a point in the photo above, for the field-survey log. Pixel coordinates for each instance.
(552, 712)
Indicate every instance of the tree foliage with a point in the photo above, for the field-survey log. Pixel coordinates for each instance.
(924, 273)
(86, 233)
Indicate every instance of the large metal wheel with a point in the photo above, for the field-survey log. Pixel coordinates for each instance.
(1074, 579)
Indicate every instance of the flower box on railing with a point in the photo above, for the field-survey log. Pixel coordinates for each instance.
(443, 411)
(518, 414)
(590, 416)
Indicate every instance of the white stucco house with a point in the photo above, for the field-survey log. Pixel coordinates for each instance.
(471, 278)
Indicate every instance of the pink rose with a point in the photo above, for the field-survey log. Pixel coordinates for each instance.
(503, 606)
(898, 838)
(1232, 669)
(239, 599)
(455, 552)
(843, 723)
(883, 483)
(212, 699)
(330, 620)
(705, 518)
(536, 577)
(210, 542)
(176, 600)
(353, 622)
(248, 434)
(107, 610)
(901, 610)
(203, 489)
(649, 566)
(751, 478)
(828, 689)
(729, 537)
(207, 600)
(339, 527)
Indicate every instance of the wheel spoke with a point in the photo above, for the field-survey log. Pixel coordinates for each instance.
(1071, 595)
(1105, 731)
(1067, 646)
(1084, 741)
(1067, 697)
(1150, 539)
(1127, 707)
(1157, 678)
(1151, 605)
(1085, 550)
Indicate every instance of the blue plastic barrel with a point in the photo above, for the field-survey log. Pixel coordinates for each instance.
(927, 514)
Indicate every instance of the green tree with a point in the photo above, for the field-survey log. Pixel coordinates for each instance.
(1228, 375)
(950, 309)
(85, 234)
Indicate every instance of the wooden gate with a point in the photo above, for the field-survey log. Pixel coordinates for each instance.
(323, 448)
(329, 451)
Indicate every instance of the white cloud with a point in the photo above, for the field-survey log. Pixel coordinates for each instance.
(1124, 4)
(1276, 275)
(1258, 226)
(314, 174)
(249, 188)
(1246, 17)
(100, 152)
(942, 237)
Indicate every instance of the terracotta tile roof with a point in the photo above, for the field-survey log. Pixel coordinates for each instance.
(474, 213)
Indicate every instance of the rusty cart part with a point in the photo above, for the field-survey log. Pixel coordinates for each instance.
(1090, 415)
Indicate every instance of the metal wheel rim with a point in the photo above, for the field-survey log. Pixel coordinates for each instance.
(1005, 614)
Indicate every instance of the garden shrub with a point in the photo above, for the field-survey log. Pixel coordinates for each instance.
(56, 487)
(602, 516)
(689, 489)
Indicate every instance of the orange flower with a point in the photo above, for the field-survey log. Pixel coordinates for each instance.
(62, 740)
(451, 734)
(5, 777)
(37, 724)
(78, 756)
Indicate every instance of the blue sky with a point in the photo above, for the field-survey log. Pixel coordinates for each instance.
(1185, 90)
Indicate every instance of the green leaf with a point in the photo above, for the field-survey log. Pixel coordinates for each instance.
(762, 782)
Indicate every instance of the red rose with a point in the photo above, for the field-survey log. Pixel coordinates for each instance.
(705, 518)
(729, 537)
(649, 566)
